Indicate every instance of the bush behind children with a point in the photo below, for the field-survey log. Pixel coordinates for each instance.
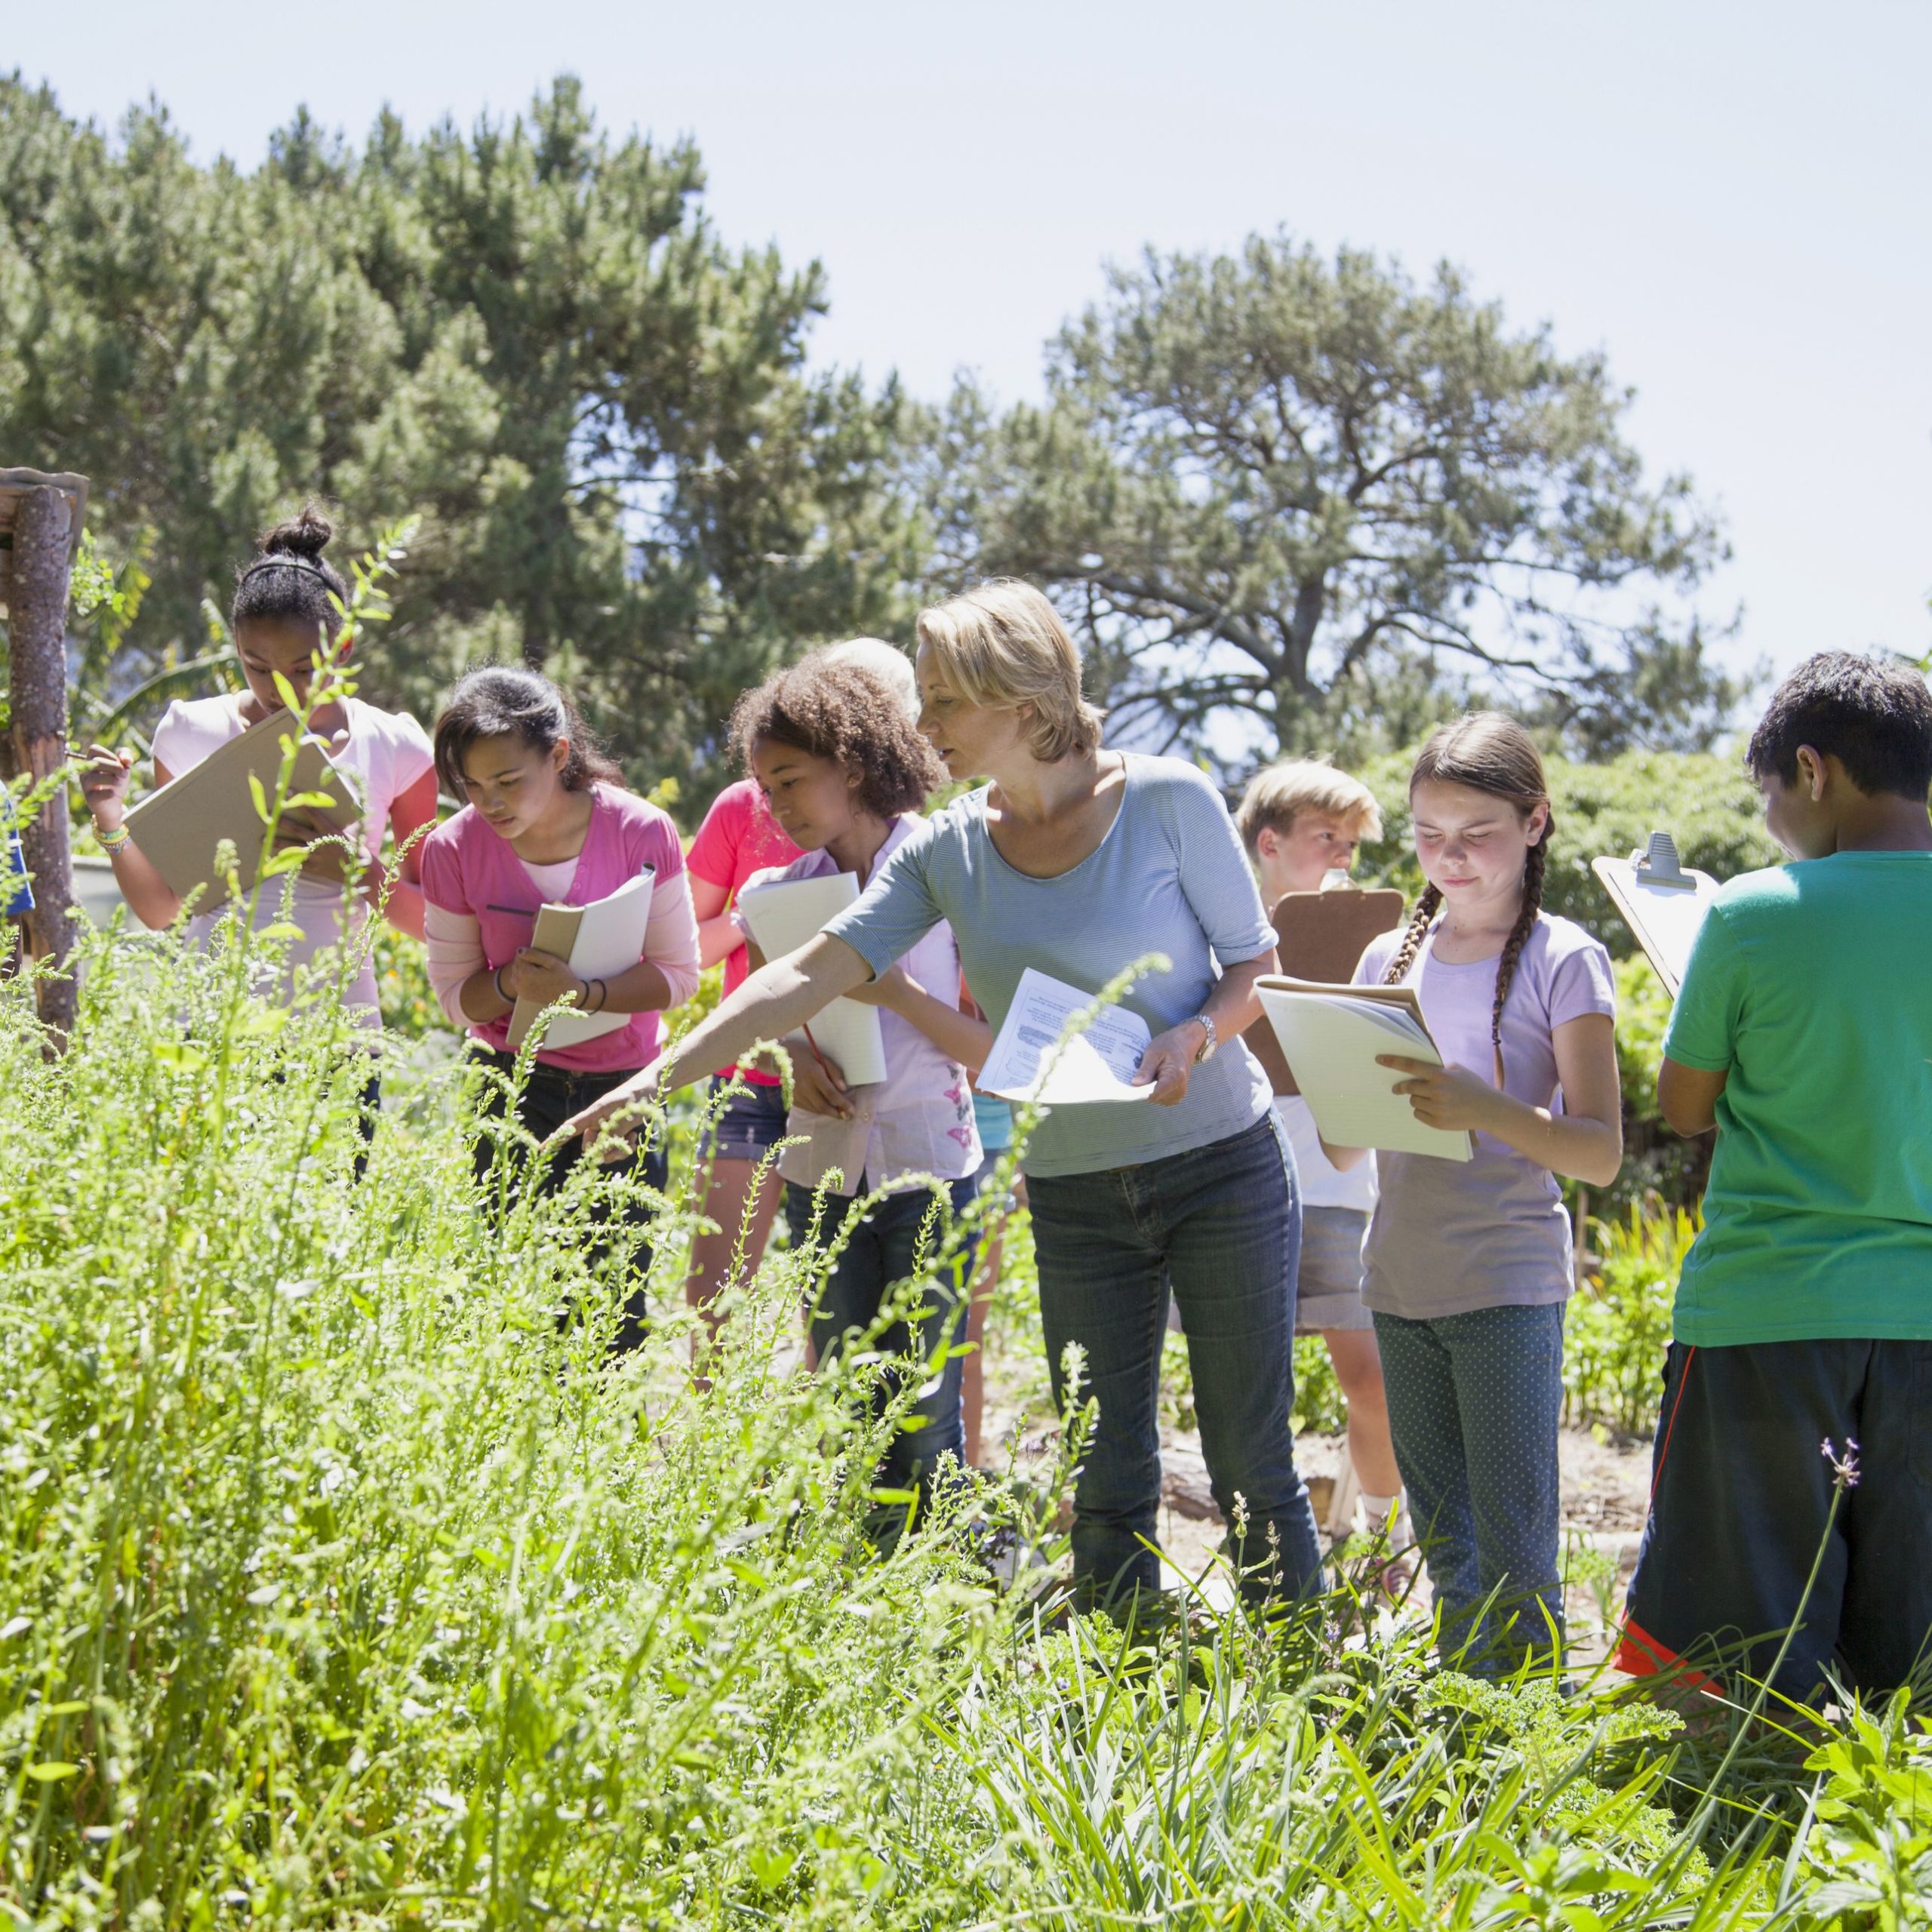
(1802, 1034)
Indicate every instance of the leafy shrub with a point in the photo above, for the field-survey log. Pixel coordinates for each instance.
(402, 984)
(1659, 1165)
(343, 1582)
(1619, 1325)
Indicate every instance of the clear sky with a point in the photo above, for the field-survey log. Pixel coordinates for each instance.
(1732, 198)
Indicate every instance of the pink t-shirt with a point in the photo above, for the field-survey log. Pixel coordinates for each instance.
(467, 870)
(1450, 1236)
(919, 1119)
(737, 838)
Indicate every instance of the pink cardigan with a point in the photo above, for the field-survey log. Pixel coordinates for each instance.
(467, 870)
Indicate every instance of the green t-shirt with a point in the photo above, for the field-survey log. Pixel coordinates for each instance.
(1812, 984)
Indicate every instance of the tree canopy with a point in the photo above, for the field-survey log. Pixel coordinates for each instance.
(1304, 492)
(528, 333)
(1309, 496)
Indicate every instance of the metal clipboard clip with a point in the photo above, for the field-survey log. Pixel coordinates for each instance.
(1659, 864)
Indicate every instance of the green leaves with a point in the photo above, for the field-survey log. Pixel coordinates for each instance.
(1314, 498)
(526, 333)
(338, 1577)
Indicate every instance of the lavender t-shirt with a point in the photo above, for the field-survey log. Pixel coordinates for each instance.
(1449, 1236)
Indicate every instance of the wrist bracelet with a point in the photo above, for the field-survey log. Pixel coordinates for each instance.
(603, 996)
(111, 842)
(497, 980)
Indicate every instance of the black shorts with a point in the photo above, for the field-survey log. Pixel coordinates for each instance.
(1741, 1494)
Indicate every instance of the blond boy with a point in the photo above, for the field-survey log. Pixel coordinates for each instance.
(1301, 822)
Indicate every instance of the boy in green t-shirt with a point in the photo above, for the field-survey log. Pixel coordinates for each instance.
(1803, 1032)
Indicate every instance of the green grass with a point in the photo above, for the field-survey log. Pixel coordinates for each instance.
(341, 1586)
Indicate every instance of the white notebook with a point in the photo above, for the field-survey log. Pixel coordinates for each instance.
(1027, 1062)
(599, 941)
(789, 913)
(1330, 1036)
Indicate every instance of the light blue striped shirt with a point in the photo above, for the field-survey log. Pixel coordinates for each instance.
(1169, 878)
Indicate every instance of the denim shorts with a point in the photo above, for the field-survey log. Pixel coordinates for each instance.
(1328, 1281)
(751, 1123)
(984, 1175)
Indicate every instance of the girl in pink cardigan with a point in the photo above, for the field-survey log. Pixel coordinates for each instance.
(547, 822)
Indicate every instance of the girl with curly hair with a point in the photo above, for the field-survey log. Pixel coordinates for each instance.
(842, 767)
(739, 839)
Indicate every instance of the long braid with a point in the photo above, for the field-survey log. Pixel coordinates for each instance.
(1427, 906)
(1534, 867)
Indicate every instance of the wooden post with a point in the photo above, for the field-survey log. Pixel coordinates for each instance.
(44, 535)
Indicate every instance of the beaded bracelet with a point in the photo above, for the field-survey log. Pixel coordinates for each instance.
(111, 842)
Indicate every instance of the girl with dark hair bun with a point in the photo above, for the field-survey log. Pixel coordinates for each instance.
(286, 614)
(1467, 1264)
(548, 820)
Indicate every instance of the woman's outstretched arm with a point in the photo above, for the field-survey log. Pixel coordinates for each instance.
(777, 999)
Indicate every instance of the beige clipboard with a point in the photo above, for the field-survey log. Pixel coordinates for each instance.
(599, 940)
(1319, 937)
(178, 826)
(1661, 902)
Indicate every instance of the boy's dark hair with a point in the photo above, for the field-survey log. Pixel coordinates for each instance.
(842, 712)
(505, 701)
(288, 583)
(1873, 715)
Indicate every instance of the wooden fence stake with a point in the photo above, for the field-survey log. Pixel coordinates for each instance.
(43, 538)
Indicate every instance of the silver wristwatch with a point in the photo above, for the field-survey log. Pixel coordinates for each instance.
(1213, 1040)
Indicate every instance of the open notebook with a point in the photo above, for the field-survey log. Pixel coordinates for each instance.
(1331, 1035)
(599, 941)
(1028, 1061)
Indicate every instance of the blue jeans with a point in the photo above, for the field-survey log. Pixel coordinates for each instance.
(1475, 1401)
(1219, 1226)
(880, 1253)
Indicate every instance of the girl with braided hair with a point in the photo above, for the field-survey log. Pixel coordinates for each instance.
(1466, 1266)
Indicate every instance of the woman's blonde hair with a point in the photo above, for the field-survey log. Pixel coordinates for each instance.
(1002, 644)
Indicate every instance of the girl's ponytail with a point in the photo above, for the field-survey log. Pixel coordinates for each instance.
(290, 581)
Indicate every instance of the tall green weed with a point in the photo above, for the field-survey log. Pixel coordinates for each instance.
(344, 1581)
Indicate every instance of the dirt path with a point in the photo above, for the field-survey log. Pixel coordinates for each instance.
(1605, 1487)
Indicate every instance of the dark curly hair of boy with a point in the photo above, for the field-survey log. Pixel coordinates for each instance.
(842, 712)
(1873, 714)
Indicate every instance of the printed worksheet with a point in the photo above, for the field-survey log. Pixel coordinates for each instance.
(1028, 1063)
